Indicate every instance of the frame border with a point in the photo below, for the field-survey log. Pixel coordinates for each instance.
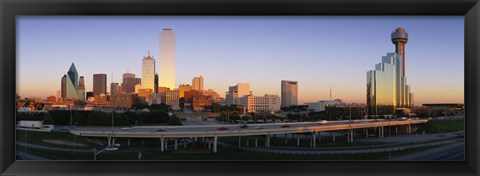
(470, 9)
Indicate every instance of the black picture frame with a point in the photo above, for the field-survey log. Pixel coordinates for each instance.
(9, 9)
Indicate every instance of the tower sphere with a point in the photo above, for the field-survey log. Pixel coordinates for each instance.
(399, 35)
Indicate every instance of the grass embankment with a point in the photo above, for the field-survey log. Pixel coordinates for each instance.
(224, 154)
(442, 126)
(46, 138)
(326, 142)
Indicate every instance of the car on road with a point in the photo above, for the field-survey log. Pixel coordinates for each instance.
(126, 128)
(243, 126)
(260, 127)
(111, 148)
(161, 130)
(222, 128)
(285, 126)
(323, 122)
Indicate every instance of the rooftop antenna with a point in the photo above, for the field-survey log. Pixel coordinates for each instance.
(330, 92)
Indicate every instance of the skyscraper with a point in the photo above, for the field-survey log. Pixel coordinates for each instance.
(387, 88)
(166, 58)
(99, 84)
(115, 88)
(148, 72)
(69, 84)
(400, 39)
(289, 93)
(197, 83)
(128, 83)
(81, 88)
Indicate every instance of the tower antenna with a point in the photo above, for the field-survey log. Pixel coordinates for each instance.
(330, 92)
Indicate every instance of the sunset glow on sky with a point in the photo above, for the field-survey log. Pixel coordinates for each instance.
(317, 51)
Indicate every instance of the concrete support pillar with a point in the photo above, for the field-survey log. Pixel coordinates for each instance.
(319, 137)
(215, 144)
(162, 144)
(409, 129)
(267, 141)
(298, 139)
(128, 142)
(314, 138)
(286, 138)
(379, 132)
(334, 137)
(193, 142)
(166, 144)
(109, 140)
(396, 129)
(176, 147)
(256, 142)
(246, 138)
(209, 143)
(239, 142)
(366, 132)
(352, 134)
(185, 143)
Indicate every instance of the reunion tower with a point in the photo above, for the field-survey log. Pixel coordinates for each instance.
(400, 38)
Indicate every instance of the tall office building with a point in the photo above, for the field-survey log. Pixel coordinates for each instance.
(81, 88)
(148, 72)
(69, 84)
(235, 92)
(166, 59)
(115, 88)
(260, 104)
(387, 88)
(400, 39)
(197, 83)
(289, 93)
(128, 83)
(99, 84)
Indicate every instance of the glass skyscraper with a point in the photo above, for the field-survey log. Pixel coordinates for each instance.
(70, 83)
(387, 88)
(289, 93)
(166, 59)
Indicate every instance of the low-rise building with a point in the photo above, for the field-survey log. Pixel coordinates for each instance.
(123, 100)
(261, 104)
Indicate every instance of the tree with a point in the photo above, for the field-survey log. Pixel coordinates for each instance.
(76, 118)
(48, 120)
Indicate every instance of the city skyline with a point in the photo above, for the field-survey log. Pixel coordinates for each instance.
(425, 70)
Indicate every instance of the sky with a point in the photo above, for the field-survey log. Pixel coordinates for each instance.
(317, 51)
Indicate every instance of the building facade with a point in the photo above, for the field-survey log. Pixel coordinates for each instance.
(99, 84)
(128, 83)
(184, 88)
(234, 92)
(260, 104)
(69, 83)
(166, 58)
(123, 100)
(172, 98)
(81, 88)
(387, 88)
(289, 95)
(197, 83)
(115, 88)
(320, 105)
(148, 72)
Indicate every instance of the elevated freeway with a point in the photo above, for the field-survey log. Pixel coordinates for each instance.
(212, 132)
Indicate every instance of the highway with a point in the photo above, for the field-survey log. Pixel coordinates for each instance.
(234, 130)
(455, 151)
(212, 132)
